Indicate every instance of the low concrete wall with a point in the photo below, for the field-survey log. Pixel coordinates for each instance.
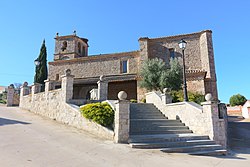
(53, 104)
(203, 120)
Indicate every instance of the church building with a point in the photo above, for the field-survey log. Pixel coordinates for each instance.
(120, 71)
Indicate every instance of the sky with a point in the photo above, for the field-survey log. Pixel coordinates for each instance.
(115, 26)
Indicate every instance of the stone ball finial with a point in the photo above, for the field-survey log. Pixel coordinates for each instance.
(25, 84)
(11, 86)
(209, 97)
(165, 90)
(67, 72)
(101, 78)
(122, 95)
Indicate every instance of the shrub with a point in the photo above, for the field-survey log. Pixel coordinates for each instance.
(2, 101)
(133, 101)
(143, 100)
(101, 113)
(178, 96)
(237, 100)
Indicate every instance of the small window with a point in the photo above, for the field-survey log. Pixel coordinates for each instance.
(79, 48)
(172, 53)
(64, 45)
(83, 51)
(125, 66)
(57, 77)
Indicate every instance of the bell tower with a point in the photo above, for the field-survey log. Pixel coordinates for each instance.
(70, 47)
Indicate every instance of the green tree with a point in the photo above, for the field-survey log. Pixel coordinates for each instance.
(237, 99)
(157, 76)
(41, 69)
(172, 78)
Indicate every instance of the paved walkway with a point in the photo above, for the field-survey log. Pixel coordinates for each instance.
(28, 140)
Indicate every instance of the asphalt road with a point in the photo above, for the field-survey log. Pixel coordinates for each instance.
(28, 140)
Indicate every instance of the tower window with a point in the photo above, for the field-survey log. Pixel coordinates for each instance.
(64, 45)
(172, 53)
(124, 67)
(83, 51)
(79, 48)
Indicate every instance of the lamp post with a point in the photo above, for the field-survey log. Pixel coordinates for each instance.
(182, 45)
(37, 62)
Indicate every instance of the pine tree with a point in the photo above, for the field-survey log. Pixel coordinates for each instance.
(41, 69)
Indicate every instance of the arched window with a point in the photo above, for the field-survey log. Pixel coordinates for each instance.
(65, 58)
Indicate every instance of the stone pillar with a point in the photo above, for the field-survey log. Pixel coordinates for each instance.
(216, 127)
(36, 88)
(122, 118)
(25, 90)
(10, 95)
(102, 89)
(49, 85)
(67, 85)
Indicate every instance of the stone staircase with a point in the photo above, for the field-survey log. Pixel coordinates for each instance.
(150, 129)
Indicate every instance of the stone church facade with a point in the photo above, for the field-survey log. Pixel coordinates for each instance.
(121, 70)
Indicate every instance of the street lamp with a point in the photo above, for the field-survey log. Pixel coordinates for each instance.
(182, 45)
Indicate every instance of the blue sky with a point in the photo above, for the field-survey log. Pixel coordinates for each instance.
(115, 26)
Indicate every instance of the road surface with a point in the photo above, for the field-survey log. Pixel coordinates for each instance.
(29, 140)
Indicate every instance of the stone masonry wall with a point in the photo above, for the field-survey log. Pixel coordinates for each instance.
(196, 86)
(51, 104)
(94, 66)
(159, 47)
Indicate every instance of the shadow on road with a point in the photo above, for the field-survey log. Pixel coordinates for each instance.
(4, 121)
(238, 135)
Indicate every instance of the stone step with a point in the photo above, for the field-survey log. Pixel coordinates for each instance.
(143, 128)
(148, 117)
(147, 126)
(161, 131)
(145, 113)
(165, 138)
(155, 120)
(210, 152)
(150, 129)
(143, 106)
(154, 145)
(190, 149)
(138, 109)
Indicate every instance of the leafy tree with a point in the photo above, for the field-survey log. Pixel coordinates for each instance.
(41, 69)
(237, 99)
(157, 76)
(172, 78)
